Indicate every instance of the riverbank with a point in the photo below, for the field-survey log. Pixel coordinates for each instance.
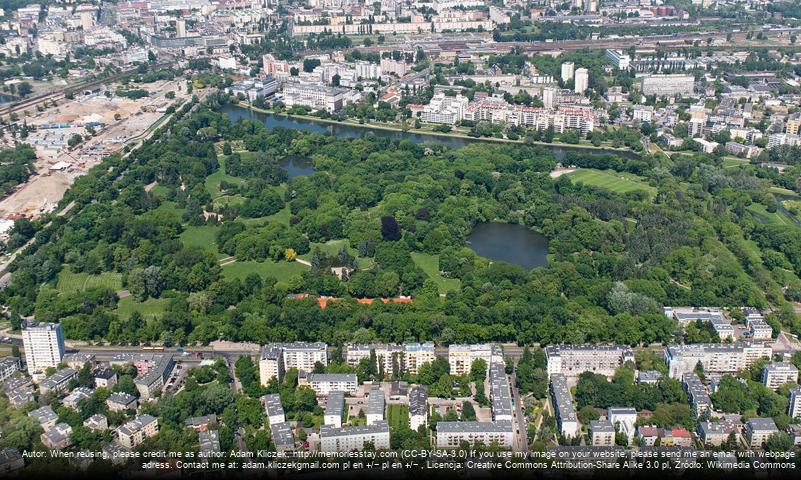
(451, 135)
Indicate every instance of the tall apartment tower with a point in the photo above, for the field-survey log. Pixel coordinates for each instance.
(582, 80)
(44, 345)
(568, 68)
(549, 97)
(180, 28)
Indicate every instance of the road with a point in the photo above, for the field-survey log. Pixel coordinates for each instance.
(519, 418)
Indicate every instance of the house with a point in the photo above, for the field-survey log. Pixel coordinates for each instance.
(675, 437)
(717, 433)
(119, 401)
(75, 396)
(46, 417)
(758, 430)
(57, 437)
(200, 424)
(105, 378)
(647, 435)
(97, 421)
(137, 430)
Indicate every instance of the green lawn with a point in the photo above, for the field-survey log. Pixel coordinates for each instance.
(202, 237)
(332, 247)
(430, 265)
(398, 416)
(770, 218)
(733, 162)
(78, 282)
(619, 182)
(281, 271)
(212, 182)
(150, 308)
(172, 208)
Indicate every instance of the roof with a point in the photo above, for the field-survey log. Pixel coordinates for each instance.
(474, 427)
(282, 435)
(762, 425)
(376, 402)
(333, 377)
(335, 403)
(601, 426)
(272, 404)
(418, 401)
(380, 426)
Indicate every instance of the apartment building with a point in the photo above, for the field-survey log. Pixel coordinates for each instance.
(776, 374)
(417, 354)
(452, 434)
(152, 382)
(46, 417)
(794, 409)
(209, 441)
(273, 408)
(283, 438)
(75, 396)
(563, 404)
(334, 406)
(418, 407)
(315, 96)
(461, 357)
(349, 438)
(8, 366)
(625, 419)
(376, 403)
(572, 360)
(717, 433)
(500, 392)
(271, 364)
(58, 381)
(715, 357)
(276, 358)
(388, 358)
(758, 430)
(325, 383)
(43, 344)
(696, 393)
(120, 401)
(137, 430)
(441, 109)
(57, 437)
(602, 433)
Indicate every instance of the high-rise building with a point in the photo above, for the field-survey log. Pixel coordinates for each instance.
(582, 80)
(549, 97)
(590, 6)
(568, 68)
(44, 345)
(180, 28)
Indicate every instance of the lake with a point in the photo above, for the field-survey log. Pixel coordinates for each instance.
(296, 166)
(235, 112)
(506, 242)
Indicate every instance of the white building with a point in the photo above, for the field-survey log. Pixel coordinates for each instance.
(376, 403)
(388, 358)
(461, 357)
(348, 438)
(325, 383)
(795, 403)
(602, 433)
(582, 80)
(43, 344)
(452, 434)
(8, 366)
(563, 405)
(622, 61)
(776, 374)
(273, 408)
(334, 406)
(667, 85)
(416, 355)
(315, 96)
(624, 419)
(568, 70)
(572, 360)
(276, 358)
(715, 357)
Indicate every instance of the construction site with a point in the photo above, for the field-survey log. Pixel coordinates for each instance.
(76, 134)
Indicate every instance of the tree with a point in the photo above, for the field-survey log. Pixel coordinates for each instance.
(779, 442)
(24, 89)
(390, 230)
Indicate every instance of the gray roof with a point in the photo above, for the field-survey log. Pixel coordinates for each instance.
(601, 426)
(272, 404)
(418, 401)
(43, 414)
(475, 427)
(696, 390)
(777, 367)
(200, 421)
(560, 392)
(282, 435)
(137, 423)
(335, 403)
(376, 402)
(209, 441)
(644, 376)
(121, 398)
(500, 390)
(57, 379)
(333, 377)
(762, 425)
(380, 426)
(161, 369)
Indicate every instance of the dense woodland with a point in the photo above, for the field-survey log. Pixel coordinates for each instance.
(614, 259)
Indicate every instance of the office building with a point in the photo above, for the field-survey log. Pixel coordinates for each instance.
(43, 344)
(621, 61)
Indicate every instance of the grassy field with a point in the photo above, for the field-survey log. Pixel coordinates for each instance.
(281, 271)
(398, 416)
(430, 265)
(619, 182)
(212, 182)
(171, 207)
(332, 247)
(770, 218)
(733, 162)
(202, 237)
(69, 282)
(150, 308)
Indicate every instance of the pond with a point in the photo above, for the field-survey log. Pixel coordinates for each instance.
(297, 166)
(506, 242)
(235, 112)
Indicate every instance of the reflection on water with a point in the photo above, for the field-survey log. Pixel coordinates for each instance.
(506, 242)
